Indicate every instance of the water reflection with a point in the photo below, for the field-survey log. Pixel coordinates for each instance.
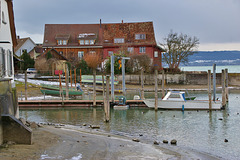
(199, 130)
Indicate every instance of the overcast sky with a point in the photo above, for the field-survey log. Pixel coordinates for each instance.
(215, 22)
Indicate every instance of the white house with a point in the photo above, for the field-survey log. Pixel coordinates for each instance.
(24, 44)
(7, 39)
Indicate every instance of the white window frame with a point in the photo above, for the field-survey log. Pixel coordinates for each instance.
(60, 42)
(155, 54)
(64, 42)
(91, 42)
(118, 40)
(80, 54)
(142, 49)
(130, 49)
(140, 36)
(81, 42)
(87, 42)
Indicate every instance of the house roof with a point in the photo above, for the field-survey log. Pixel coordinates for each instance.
(53, 31)
(20, 42)
(12, 24)
(103, 36)
(128, 31)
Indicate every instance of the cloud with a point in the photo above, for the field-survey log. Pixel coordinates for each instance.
(212, 21)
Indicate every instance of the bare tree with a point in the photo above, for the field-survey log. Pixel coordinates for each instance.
(178, 47)
(138, 62)
(93, 60)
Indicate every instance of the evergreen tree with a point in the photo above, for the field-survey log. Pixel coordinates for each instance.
(28, 62)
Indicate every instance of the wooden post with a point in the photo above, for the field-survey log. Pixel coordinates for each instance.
(156, 89)
(25, 85)
(75, 78)
(107, 99)
(103, 85)
(60, 84)
(142, 84)
(80, 78)
(67, 81)
(209, 90)
(71, 78)
(214, 82)
(223, 89)
(94, 87)
(163, 77)
(226, 84)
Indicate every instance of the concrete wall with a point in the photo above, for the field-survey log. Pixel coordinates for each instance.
(191, 78)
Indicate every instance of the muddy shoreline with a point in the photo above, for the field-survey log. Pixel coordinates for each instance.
(71, 142)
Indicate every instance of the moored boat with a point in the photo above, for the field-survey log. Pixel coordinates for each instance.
(176, 100)
(57, 92)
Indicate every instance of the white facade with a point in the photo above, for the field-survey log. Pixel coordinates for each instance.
(28, 46)
(6, 43)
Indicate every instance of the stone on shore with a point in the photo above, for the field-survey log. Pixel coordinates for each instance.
(156, 143)
(135, 140)
(165, 141)
(33, 125)
(225, 140)
(174, 141)
(94, 126)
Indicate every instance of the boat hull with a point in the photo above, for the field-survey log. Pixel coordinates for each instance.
(57, 92)
(180, 105)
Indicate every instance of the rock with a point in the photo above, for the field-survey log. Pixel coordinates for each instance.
(78, 141)
(225, 140)
(135, 140)
(40, 125)
(58, 127)
(23, 121)
(220, 119)
(84, 124)
(156, 143)
(109, 136)
(174, 141)
(62, 124)
(33, 125)
(94, 126)
(165, 141)
(5, 145)
(140, 135)
(237, 113)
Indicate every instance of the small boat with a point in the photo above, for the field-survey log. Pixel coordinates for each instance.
(57, 92)
(121, 103)
(176, 100)
(52, 87)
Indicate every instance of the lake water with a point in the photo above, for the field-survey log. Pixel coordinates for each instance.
(231, 68)
(197, 130)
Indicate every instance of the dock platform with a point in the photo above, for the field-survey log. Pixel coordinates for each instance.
(71, 104)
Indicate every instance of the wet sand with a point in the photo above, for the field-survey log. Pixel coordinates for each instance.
(75, 143)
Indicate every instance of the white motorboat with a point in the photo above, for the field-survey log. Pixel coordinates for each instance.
(176, 100)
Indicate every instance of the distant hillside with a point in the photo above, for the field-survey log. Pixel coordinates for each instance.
(207, 58)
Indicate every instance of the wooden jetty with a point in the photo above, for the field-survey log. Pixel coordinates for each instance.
(71, 104)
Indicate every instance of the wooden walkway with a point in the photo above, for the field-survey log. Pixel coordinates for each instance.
(70, 104)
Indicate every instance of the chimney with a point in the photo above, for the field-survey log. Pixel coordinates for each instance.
(18, 37)
(100, 23)
(122, 21)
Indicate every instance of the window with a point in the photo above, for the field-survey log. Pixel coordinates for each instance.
(60, 42)
(86, 42)
(81, 42)
(61, 52)
(92, 52)
(155, 53)
(9, 63)
(110, 53)
(142, 49)
(3, 18)
(64, 42)
(80, 54)
(2, 62)
(91, 41)
(130, 49)
(140, 36)
(118, 40)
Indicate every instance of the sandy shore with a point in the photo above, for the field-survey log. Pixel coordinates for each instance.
(75, 143)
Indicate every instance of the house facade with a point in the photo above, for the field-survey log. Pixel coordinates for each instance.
(24, 44)
(77, 40)
(7, 40)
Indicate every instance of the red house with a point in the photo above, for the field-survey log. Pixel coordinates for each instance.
(76, 40)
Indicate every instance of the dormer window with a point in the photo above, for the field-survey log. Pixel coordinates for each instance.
(62, 39)
(86, 42)
(81, 42)
(64, 42)
(91, 42)
(140, 36)
(118, 40)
